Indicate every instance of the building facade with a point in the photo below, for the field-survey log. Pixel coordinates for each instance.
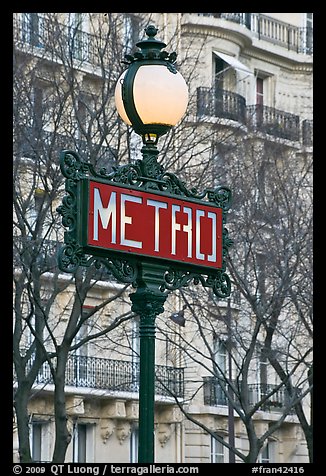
(250, 87)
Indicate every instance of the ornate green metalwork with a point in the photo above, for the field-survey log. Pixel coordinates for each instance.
(145, 174)
(150, 50)
(150, 53)
(72, 254)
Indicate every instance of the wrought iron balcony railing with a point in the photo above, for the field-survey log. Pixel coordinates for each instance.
(59, 40)
(43, 253)
(226, 104)
(39, 144)
(215, 394)
(114, 375)
(221, 103)
(273, 121)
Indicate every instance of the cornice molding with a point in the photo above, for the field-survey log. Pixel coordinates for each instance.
(241, 39)
(273, 58)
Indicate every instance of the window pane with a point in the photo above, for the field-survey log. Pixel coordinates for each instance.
(81, 443)
(217, 451)
(36, 441)
(134, 445)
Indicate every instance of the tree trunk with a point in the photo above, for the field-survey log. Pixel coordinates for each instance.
(254, 446)
(20, 403)
(309, 435)
(62, 435)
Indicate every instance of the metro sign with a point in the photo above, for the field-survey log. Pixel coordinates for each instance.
(135, 222)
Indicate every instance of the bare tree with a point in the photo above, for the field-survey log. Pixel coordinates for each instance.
(55, 108)
(270, 262)
(64, 80)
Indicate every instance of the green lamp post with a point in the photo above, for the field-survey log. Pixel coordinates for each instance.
(128, 220)
(151, 96)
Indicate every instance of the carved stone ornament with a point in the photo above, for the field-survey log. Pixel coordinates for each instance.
(123, 431)
(165, 431)
(107, 429)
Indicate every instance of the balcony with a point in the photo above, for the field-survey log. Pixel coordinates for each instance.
(44, 35)
(221, 103)
(214, 395)
(228, 105)
(43, 253)
(36, 143)
(263, 27)
(114, 375)
(273, 122)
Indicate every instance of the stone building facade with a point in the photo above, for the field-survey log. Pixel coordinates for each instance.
(249, 73)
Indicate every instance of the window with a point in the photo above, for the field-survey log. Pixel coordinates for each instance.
(78, 37)
(79, 449)
(37, 441)
(220, 357)
(266, 454)
(81, 352)
(259, 91)
(134, 444)
(263, 369)
(217, 451)
(309, 33)
(220, 354)
(261, 268)
(43, 105)
(32, 28)
(85, 107)
(83, 443)
(37, 101)
(34, 212)
(130, 31)
(220, 67)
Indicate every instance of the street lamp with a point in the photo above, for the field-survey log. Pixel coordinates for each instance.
(151, 96)
(140, 221)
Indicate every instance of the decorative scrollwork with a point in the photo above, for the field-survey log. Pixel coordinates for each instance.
(146, 174)
(151, 51)
(176, 278)
(71, 256)
(68, 211)
(227, 243)
(221, 196)
(220, 284)
(126, 174)
(124, 271)
(72, 167)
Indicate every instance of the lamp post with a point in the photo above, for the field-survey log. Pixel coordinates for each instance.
(141, 222)
(151, 96)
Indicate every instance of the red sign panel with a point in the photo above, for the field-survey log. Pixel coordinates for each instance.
(138, 222)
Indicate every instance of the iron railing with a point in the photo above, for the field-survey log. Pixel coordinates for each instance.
(39, 144)
(273, 121)
(114, 375)
(43, 253)
(215, 393)
(226, 104)
(60, 41)
(299, 39)
(221, 103)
